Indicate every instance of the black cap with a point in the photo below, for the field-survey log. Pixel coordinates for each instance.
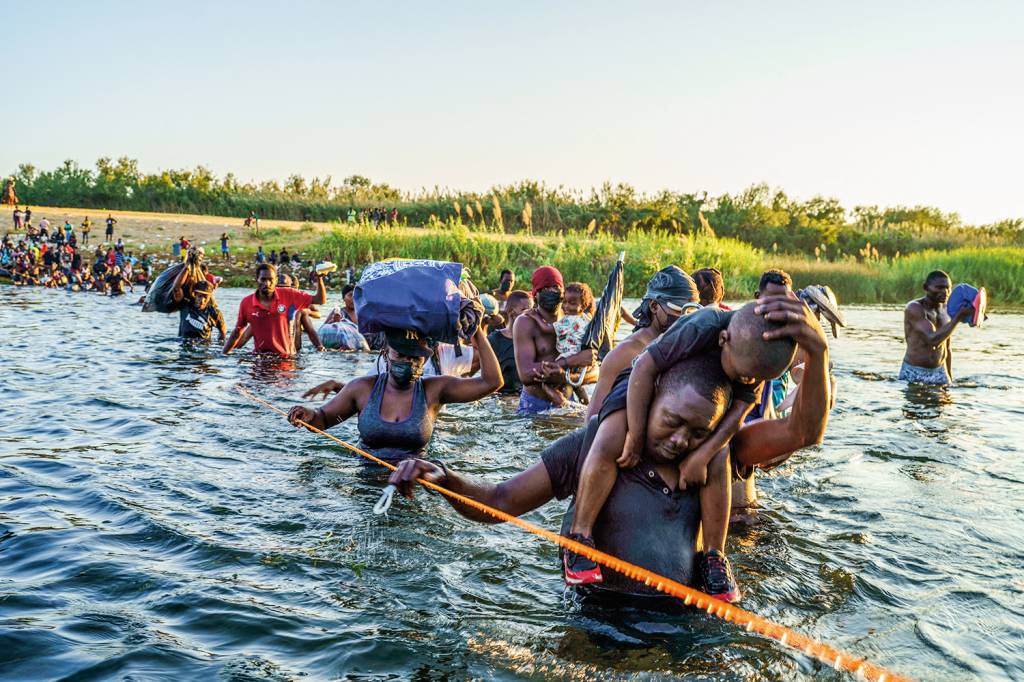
(408, 342)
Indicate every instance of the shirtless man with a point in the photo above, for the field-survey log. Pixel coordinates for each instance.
(537, 359)
(670, 294)
(505, 285)
(928, 328)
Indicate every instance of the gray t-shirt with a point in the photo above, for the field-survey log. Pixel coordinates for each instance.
(692, 335)
(643, 521)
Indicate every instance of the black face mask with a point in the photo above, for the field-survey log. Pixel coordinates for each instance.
(670, 320)
(549, 300)
(404, 373)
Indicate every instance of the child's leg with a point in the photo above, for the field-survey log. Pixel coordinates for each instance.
(715, 506)
(716, 501)
(596, 481)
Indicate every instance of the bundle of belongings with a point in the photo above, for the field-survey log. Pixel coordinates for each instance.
(160, 297)
(434, 298)
(339, 333)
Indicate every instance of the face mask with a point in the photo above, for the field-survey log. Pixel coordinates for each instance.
(403, 373)
(549, 299)
(670, 320)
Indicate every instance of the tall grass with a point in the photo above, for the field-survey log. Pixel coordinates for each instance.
(588, 258)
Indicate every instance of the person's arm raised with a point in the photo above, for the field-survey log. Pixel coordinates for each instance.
(932, 336)
(179, 281)
(466, 390)
(770, 439)
(320, 297)
(520, 494)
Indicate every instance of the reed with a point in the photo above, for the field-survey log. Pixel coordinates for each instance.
(588, 258)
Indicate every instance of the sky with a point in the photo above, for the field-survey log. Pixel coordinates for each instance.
(876, 103)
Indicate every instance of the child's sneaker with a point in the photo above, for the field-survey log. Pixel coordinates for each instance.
(716, 572)
(579, 570)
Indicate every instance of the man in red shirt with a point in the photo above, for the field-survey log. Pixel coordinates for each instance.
(269, 312)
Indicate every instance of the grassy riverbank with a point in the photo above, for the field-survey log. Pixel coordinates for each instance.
(579, 255)
(588, 259)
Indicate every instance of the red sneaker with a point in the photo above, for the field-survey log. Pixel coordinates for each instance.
(716, 571)
(579, 570)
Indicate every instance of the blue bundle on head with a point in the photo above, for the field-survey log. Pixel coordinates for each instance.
(421, 295)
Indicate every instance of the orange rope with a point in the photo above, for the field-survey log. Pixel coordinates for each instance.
(750, 622)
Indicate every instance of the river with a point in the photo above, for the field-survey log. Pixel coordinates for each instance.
(156, 524)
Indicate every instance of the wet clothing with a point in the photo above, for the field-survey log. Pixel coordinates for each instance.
(935, 376)
(198, 324)
(505, 350)
(116, 284)
(529, 404)
(694, 334)
(271, 326)
(400, 440)
(643, 521)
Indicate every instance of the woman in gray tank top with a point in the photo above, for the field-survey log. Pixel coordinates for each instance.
(397, 408)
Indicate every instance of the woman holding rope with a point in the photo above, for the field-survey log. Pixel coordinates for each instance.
(397, 408)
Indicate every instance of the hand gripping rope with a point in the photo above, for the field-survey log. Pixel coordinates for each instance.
(750, 622)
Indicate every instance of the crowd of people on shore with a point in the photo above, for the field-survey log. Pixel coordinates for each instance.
(53, 256)
(681, 413)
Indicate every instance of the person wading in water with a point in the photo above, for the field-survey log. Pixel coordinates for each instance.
(536, 346)
(269, 310)
(928, 329)
(397, 408)
(647, 520)
(670, 294)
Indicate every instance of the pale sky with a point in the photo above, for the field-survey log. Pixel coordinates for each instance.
(872, 102)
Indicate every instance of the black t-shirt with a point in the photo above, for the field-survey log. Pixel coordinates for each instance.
(195, 323)
(692, 335)
(505, 351)
(643, 521)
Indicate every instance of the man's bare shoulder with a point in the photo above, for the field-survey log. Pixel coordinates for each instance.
(914, 309)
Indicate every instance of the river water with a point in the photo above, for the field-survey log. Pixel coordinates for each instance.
(155, 524)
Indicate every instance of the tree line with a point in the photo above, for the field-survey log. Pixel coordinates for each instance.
(764, 217)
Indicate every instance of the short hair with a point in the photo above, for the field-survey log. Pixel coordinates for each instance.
(586, 295)
(775, 276)
(703, 372)
(519, 296)
(710, 284)
(769, 358)
(506, 272)
(936, 274)
(266, 266)
(202, 286)
(346, 289)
